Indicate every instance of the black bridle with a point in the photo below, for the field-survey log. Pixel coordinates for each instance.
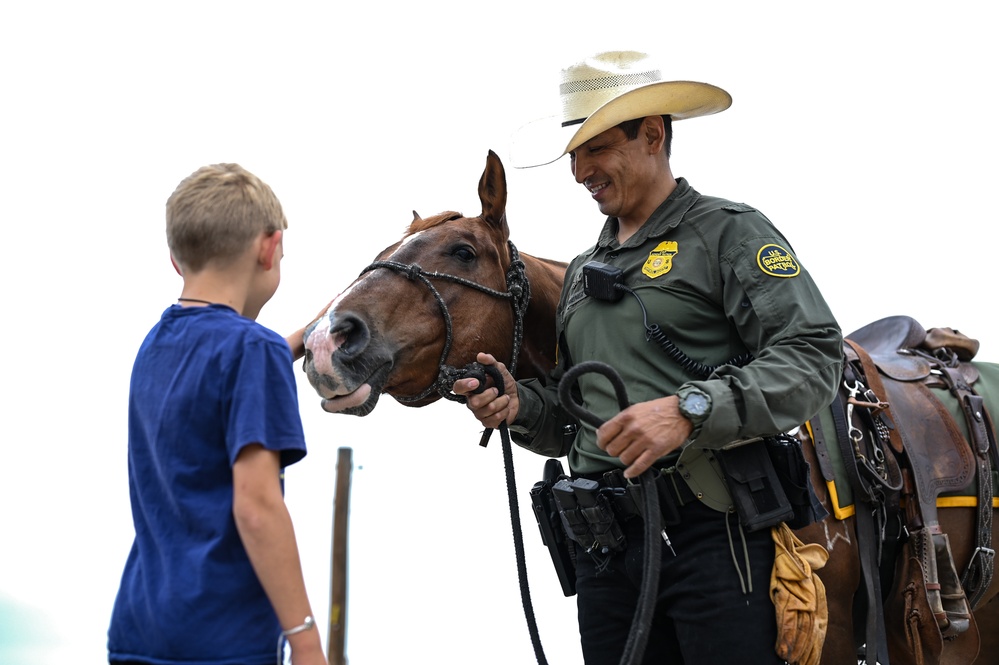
(518, 293)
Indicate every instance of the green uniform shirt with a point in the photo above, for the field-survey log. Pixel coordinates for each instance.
(720, 281)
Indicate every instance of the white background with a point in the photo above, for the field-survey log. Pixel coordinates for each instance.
(865, 131)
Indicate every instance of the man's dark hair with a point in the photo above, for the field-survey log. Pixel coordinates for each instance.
(630, 128)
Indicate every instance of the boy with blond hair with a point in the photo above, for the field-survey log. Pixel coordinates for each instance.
(214, 575)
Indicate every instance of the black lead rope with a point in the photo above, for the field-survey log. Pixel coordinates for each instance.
(638, 636)
(479, 371)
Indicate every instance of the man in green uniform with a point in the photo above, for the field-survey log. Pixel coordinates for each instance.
(720, 336)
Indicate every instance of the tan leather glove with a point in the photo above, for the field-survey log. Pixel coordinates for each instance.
(799, 598)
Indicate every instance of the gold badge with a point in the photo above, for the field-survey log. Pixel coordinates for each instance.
(776, 261)
(660, 259)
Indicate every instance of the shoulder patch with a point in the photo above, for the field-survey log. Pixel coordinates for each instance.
(660, 259)
(776, 261)
(738, 207)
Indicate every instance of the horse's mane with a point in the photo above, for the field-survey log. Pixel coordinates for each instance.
(421, 224)
(554, 263)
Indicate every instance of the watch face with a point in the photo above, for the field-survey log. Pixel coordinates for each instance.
(696, 404)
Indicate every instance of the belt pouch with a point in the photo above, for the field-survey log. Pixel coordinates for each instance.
(793, 471)
(598, 512)
(573, 521)
(756, 491)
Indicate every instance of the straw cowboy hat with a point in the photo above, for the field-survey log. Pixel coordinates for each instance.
(603, 91)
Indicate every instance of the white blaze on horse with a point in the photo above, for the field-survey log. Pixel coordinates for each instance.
(454, 286)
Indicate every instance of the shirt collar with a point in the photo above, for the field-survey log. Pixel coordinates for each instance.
(666, 216)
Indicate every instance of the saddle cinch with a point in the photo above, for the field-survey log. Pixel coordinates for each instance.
(902, 449)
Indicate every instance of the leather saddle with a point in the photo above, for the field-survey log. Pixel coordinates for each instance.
(906, 351)
(901, 361)
(940, 458)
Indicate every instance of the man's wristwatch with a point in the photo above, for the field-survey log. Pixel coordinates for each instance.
(695, 404)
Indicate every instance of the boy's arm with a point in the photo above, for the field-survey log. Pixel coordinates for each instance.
(269, 538)
(296, 340)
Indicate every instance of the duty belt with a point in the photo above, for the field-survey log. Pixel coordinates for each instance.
(627, 496)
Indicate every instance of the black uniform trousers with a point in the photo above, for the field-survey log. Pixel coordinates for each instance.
(702, 616)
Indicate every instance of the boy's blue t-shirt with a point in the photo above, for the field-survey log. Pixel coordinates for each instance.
(206, 382)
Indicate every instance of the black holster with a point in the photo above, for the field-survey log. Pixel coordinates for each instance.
(553, 536)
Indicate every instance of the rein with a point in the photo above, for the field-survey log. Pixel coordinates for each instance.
(518, 293)
(638, 636)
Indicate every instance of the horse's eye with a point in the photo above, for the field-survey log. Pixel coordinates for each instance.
(463, 253)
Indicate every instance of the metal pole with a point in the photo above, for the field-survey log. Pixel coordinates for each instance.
(336, 640)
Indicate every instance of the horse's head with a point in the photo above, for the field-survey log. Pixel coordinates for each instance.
(428, 303)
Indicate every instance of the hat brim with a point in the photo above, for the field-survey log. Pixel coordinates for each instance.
(545, 141)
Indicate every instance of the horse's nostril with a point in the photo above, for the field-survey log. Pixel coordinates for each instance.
(352, 335)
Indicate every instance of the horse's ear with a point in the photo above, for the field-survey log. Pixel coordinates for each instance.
(416, 221)
(492, 193)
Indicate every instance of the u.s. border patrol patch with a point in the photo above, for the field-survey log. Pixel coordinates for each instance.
(776, 261)
(660, 259)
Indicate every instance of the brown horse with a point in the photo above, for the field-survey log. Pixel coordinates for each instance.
(454, 286)
(393, 330)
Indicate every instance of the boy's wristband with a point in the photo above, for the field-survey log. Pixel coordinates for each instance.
(308, 624)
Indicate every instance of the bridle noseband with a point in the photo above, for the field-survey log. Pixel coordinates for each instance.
(518, 293)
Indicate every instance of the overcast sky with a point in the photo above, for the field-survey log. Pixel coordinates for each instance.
(865, 131)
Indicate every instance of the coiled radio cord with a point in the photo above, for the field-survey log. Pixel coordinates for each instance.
(655, 333)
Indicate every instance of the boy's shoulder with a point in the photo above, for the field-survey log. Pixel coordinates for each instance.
(217, 323)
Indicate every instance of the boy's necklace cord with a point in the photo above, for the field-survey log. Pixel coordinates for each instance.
(203, 302)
